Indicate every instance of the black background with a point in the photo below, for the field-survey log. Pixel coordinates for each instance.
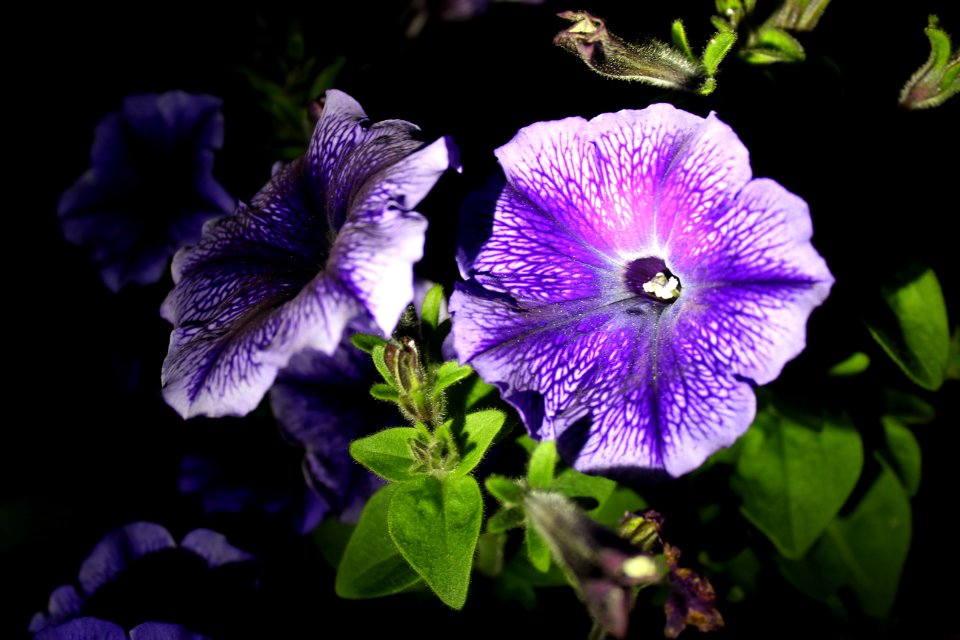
(88, 445)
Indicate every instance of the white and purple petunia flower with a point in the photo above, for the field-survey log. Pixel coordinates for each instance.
(332, 237)
(634, 284)
(150, 187)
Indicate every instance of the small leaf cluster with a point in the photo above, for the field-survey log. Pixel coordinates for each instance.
(423, 526)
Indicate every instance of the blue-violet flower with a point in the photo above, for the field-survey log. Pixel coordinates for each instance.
(332, 237)
(635, 283)
(150, 187)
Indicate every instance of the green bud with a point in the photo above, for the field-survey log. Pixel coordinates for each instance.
(652, 62)
(939, 78)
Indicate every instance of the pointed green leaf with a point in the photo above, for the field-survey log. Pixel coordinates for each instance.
(504, 489)
(907, 407)
(717, 49)
(372, 566)
(918, 336)
(387, 453)
(856, 364)
(543, 462)
(622, 500)
(902, 453)
(327, 78)
(505, 519)
(367, 342)
(537, 550)
(331, 537)
(479, 430)
(435, 525)
(430, 310)
(450, 372)
(774, 45)
(574, 484)
(793, 475)
(383, 391)
(680, 39)
(864, 551)
(378, 353)
(490, 553)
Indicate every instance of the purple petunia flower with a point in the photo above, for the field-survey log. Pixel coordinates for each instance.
(332, 237)
(114, 559)
(151, 186)
(635, 284)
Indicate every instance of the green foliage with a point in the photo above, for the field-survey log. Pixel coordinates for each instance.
(430, 310)
(717, 49)
(367, 342)
(504, 489)
(939, 77)
(479, 430)
(450, 373)
(856, 364)
(771, 44)
(794, 473)
(435, 524)
(916, 336)
(902, 454)
(864, 551)
(679, 34)
(538, 553)
(372, 565)
(388, 453)
(543, 462)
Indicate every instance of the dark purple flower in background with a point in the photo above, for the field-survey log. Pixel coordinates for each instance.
(332, 237)
(635, 284)
(150, 187)
(143, 546)
(90, 628)
(322, 403)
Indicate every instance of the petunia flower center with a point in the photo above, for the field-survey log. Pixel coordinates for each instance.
(650, 278)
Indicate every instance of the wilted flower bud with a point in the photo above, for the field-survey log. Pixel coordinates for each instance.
(652, 62)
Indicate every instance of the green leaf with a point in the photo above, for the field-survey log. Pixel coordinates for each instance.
(621, 501)
(331, 537)
(543, 462)
(864, 551)
(449, 373)
(537, 550)
(490, 553)
(383, 391)
(430, 310)
(478, 392)
(953, 360)
(907, 407)
(918, 338)
(717, 49)
(372, 565)
(794, 473)
(505, 520)
(902, 453)
(387, 453)
(504, 489)
(856, 364)
(378, 352)
(479, 430)
(435, 525)
(680, 39)
(367, 342)
(574, 484)
(773, 45)
(327, 78)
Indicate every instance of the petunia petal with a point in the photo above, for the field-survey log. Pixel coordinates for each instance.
(118, 549)
(332, 237)
(163, 631)
(83, 629)
(213, 547)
